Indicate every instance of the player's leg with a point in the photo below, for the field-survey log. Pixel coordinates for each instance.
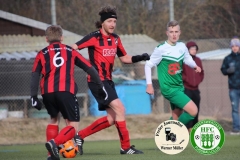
(120, 123)
(176, 112)
(190, 94)
(190, 111)
(67, 104)
(64, 135)
(118, 109)
(96, 126)
(184, 102)
(52, 128)
(103, 122)
(99, 124)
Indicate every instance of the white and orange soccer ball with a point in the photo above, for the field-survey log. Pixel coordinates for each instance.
(68, 149)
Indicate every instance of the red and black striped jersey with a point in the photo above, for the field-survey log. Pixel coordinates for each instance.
(102, 50)
(56, 64)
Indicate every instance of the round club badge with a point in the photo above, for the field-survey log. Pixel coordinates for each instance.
(171, 137)
(207, 137)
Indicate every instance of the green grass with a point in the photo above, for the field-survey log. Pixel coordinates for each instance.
(109, 150)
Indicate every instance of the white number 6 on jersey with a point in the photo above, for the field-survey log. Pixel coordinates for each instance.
(55, 58)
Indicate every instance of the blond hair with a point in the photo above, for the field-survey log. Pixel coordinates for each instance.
(172, 23)
(54, 33)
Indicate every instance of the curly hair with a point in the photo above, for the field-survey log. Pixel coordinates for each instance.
(105, 9)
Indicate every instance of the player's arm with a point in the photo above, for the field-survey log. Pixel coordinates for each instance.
(134, 59)
(95, 78)
(155, 59)
(190, 62)
(84, 64)
(35, 77)
(125, 58)
(85, 42)
(74, 46)
(202, 72)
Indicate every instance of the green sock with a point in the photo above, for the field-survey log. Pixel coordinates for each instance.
(185, 118)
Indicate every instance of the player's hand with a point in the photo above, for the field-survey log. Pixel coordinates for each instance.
(197, 69)
(150, 89)
(103, 93)
(145, 57)
(36, 103)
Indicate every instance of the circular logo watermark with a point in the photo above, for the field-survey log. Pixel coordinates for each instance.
(207, 137)
(171, 137)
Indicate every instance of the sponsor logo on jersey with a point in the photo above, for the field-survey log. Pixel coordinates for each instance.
(174, 68)
(109, 52)
(181, 52)
(116, 41)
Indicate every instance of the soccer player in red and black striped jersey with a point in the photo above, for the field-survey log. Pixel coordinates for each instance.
(103, 45)
(58, 88)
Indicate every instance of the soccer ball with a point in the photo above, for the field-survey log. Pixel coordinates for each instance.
(68, 149)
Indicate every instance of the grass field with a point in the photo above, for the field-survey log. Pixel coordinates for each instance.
(109, 150)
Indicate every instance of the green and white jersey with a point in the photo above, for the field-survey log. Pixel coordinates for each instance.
(169, 60)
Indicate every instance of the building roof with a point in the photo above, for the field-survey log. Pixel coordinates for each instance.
(215, 54)
(25, 46)
(205, 45)
(30, 22)
(138, 44)
(19, 46)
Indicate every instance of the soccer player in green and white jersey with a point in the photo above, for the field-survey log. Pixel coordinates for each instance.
(169, 58)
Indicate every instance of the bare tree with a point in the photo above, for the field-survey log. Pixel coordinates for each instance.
(199, 19)
(207, 19)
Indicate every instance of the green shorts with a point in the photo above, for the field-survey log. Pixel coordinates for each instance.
(178, 99)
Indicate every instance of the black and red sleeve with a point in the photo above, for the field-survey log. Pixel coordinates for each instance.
(37, 66)
(120, 49)
(81, 62)
(35, 76)
(87, 41)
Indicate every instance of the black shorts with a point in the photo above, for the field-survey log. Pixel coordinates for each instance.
(64, 102)
(112, 94)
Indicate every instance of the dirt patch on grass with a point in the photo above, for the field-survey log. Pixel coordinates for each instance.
(27, 131)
